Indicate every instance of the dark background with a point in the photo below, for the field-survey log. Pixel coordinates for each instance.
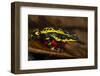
(79, 25)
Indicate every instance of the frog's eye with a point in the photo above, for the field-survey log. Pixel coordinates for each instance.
(36, 33)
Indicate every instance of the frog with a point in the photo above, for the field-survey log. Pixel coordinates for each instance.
(55, 39)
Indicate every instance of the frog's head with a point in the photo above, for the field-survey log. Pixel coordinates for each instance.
(35, 33)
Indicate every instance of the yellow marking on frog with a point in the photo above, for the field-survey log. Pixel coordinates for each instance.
(31, 35)
(70, 41)
(47, 38)
(37, 33)
(48, 30)
(57, 39)
(64, 40)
